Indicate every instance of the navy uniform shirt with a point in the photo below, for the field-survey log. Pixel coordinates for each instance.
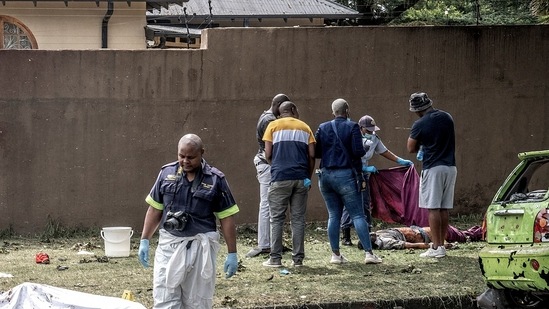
(205, 199)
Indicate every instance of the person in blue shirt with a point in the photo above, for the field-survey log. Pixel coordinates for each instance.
(339, 148)
(187, 198)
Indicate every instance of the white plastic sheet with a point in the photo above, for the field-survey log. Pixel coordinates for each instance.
(37, 296)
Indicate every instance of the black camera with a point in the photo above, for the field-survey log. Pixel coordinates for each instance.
(176, 221)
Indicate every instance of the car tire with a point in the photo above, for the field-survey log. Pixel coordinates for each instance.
(493, 299)
(523, 299)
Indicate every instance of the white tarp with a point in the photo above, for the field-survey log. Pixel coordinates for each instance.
(39, 296)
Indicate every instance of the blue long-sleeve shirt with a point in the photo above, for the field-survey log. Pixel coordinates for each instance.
(331, 152)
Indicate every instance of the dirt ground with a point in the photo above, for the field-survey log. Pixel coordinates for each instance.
(403, 279)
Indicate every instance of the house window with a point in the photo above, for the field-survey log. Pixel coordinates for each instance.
(15, 35)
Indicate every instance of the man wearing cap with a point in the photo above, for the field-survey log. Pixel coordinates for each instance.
(263, 170)
(434, 133)
(372, 144)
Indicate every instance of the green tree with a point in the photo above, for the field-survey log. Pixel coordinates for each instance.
(377, 12)
(450, 12)
(540, 8)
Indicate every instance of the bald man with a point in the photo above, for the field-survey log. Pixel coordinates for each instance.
(339, 148)
(185, 202)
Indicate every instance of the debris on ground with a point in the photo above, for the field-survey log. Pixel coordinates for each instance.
(84, 246)
(42, 258)
(229, 301)
(102, 259)
(411, 269)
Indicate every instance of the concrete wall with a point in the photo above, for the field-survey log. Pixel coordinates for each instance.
(79, 25)
(83, 134)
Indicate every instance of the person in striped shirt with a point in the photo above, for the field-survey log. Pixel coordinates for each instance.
(289, 148)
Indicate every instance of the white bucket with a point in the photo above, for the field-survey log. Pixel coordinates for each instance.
(117, 241)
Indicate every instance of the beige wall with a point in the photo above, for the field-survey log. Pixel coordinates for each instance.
(79, 25)
(83, 134)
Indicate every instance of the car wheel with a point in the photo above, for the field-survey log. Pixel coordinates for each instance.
(523, 299)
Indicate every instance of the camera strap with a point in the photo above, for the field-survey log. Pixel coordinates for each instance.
(197, 180)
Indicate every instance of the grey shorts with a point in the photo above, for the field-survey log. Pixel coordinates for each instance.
(436, 187)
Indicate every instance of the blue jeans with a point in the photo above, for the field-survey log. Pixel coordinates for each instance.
(346, 221)
(338, 188)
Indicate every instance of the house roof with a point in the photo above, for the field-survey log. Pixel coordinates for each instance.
(255, 9)
(151, 4)
(174, 31)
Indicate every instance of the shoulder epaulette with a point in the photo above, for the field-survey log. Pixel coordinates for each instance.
(217, 172)
(170, 164)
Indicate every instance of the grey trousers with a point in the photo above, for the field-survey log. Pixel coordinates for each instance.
(284, 194)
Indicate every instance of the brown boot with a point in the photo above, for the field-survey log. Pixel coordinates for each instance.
(346, 239)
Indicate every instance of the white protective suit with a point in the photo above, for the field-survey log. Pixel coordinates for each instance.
(185, 278)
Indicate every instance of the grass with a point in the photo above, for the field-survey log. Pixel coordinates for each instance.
(403, 275)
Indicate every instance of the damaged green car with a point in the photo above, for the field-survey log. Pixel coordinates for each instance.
(515, 261)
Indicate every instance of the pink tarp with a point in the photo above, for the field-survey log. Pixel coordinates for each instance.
(395, 196)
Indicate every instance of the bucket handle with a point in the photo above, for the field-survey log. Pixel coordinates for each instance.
(116, 242)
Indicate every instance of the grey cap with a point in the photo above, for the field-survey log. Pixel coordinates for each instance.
(419, 101)
(369, 123)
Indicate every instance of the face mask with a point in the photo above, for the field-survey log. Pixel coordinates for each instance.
(368, 136)
(348, 118)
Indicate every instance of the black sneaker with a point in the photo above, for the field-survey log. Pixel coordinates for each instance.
(297, 263)
(272, 263)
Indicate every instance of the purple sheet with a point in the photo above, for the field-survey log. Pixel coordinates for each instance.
(395, 196)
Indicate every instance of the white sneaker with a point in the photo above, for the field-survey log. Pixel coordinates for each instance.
(372, 258)
(434, 253)
(338, 259)
(441, 251)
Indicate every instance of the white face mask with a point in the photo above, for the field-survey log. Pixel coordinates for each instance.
(367, 135)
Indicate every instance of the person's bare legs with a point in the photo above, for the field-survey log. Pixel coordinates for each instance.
(443, 225)
(435, 223)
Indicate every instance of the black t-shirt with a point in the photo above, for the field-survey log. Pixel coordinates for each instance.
(435, 132)
(262, 124)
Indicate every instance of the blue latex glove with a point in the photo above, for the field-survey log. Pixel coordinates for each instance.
(404, 162)
(307, 182)
(231, 265)
(144, 252)
(369, 169)
(419, 155)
